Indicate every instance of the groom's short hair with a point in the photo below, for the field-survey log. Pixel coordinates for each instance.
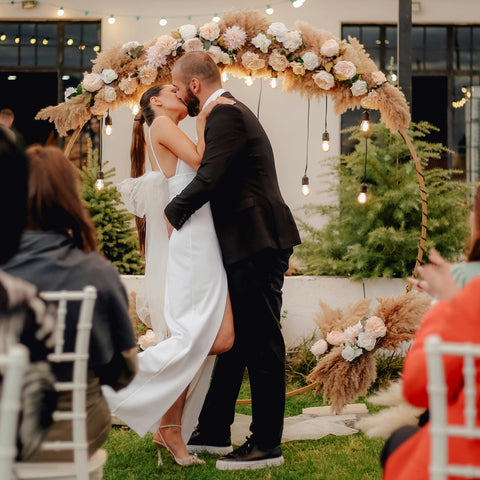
(198, 65)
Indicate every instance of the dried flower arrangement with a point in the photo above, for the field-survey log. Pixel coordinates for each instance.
(346, 365)
(311, 62)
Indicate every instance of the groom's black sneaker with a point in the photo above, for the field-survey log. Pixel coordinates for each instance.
(250, 457)
(203, 443)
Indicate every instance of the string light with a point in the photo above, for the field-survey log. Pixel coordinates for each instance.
(269, 10)
(365, 125)
(81, 47)
(33, 40)
(3, 37)
(99, 182)
(135, 109)
(108, 124)
(215, 18)
(224, 77)
(362, 196)
(60, 12)
(163, 21)
(273, 82)
(297, 3)
(70, 41)
(325, 134)
(305, 181)
(96, 48)
(249, 81)
(111, 20)
(17, 39)
(45, 41)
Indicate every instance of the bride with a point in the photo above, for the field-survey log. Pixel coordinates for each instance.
(185, 283)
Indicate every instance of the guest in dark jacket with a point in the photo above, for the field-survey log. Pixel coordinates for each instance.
(58, 252)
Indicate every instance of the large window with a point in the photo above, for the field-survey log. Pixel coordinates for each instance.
(445, 84)
(42, 59)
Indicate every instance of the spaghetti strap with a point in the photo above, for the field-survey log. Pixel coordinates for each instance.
(153, 151)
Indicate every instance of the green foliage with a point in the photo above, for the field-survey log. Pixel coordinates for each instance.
(117, 239)
(381, 237)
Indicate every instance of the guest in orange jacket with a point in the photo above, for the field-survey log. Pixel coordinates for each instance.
(455, 318)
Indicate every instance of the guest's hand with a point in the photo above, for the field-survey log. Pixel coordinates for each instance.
(169, 226)
(437, 279)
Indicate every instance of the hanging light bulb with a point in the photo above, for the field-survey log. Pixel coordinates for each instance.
(224, 77)
(325, 141)
(269, 10)
(274, 82)
(249, 81)
(297, 3)
(33, 40)
(215, 18)
(163, 21)
(96, 48)
(70, 41)
(362, 196)
(305, 186)
(60, 12)
(135, 109)
(111, 20)
(3, 37)
(108, 125)
(99, 182)
(17, 39)
(45, 41)
(365, 125)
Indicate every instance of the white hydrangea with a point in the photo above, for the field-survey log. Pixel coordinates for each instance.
(262, 42)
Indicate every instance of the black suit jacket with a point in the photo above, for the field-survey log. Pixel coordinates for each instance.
(237, 175)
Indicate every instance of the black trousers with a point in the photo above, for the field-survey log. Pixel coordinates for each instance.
(255, 286)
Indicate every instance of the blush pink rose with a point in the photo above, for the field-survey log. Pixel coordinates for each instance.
(330, 48)
(335, 337)
(319, 348)
(379, 77)
(324, 80)
(278, 61)
(251, 61)
(297, 68)
(155, 57)
(346, 69)
(92, 82)
(375, 327)
(147, 74)
(210, 31)
(167, 44)
(193, 45)
(128, 85)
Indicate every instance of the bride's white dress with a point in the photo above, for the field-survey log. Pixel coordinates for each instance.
(186, 292)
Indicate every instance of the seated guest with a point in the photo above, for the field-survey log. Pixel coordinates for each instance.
(406, 455)
(23, 316)
(58, 252)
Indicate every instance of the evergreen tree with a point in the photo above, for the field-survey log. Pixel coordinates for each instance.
(117, 239)
(380, 238)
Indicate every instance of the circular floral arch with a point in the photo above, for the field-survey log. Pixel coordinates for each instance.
(310, 61)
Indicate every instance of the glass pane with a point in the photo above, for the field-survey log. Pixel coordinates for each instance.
(87, 56)
(375, 55)
(353, 31)
(417, 37)
(46, 55)
(436, 60)
(461, 60)
(73, 35)
(391, 36)
(91, 33)
(462, 37)
(476, 37)
(8, 55)
(72, 56)
(10, 30)
(436, 37)
(27, 56)
(370, 36)
(47, 31)
(417, 59)
(476, 60)
(27, 31)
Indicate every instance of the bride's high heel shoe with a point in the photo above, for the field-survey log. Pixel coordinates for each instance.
(184, 462)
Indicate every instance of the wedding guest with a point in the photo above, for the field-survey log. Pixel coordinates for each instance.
(58, 252)
(454, 318)
(7, 118)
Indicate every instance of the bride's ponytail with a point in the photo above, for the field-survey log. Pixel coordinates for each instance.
(137, 149)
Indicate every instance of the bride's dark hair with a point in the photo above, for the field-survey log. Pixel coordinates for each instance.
(137, 150)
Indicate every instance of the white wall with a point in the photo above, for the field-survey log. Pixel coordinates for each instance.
(283, 115)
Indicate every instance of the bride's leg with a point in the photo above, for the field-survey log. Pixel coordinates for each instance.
(173, 435)
(226, 334)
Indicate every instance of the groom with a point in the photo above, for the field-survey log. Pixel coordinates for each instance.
(256, 232)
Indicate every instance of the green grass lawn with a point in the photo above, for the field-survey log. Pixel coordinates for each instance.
(351, 457)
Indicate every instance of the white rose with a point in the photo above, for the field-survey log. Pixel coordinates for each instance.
(379, 77)
(310, 60)
(92, 82)
(261, 42)
(348, 353)
(215, 52)
(147, 340)
(330, 48)
(108, 75)
(358, 352)
(278, 30)
(292, 40)
(110, 94)
(225, 58)
(359, 88)
(324, 80)
(187, 31)
(319, 348)
(69, 92)
(126, 47)
(366, 341)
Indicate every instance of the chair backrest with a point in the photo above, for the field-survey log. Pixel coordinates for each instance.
(12, 367)
(78, 385)
(437, 389)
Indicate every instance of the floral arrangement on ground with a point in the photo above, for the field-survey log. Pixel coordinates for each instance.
(311, 62)
(350, 338)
